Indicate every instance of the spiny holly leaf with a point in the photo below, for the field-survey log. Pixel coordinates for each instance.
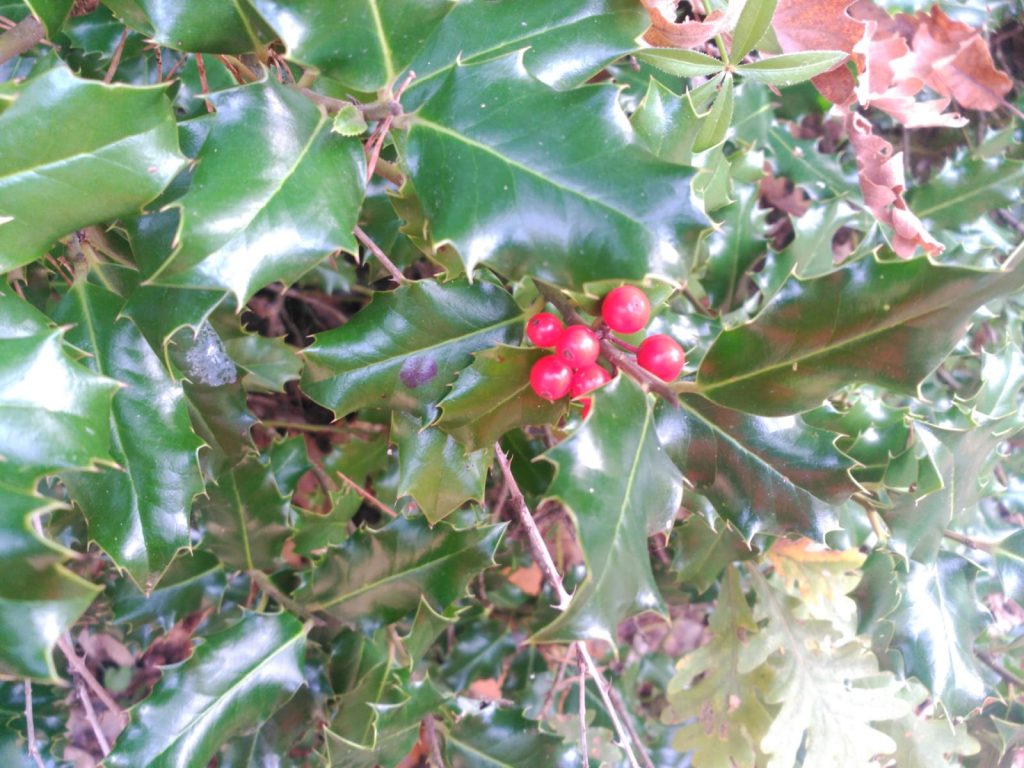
(364, 46)
(1008, 557)
(493, 396)
(485, 736)
(727, 719)
(138, 512)
(205, 26)
(435, 469)
(668, 124)
(927, 742)
(377, 577)
(51, 13)
(620, 487)
(967, 190)
(773, 475)
(493, 180)
(888, 324)
(829, 691)
(819, 577)
(404, 349)
(278, 741)
(936, 623)
(123, 156)
(191, 579)
(734, 249)
(315, 530)
(39, 599)
(360, 675)
(274, 193)
(800, 161)
(395, 731)
(268, 364)
(245, 517)
(702, 553)
(236, 679)
(45, 393)
(566, 43)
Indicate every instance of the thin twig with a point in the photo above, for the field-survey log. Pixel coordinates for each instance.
(433, 747)
(114, 62)
(554, 687)
(33, 748)
(77, 665)
(968, 541)
(620, 705)
(90, 715)
(584, 752)
(332, 312)
(261, 580)
(542, 556)
(367, 496)
(22, 37)
(989, 661)
(395, 272)
(203, 84)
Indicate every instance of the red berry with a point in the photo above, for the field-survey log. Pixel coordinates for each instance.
(588, 378)
(551, 377)
(662, 356)
(587, 402)
(544, 329)
(578, 346)
(626, 309)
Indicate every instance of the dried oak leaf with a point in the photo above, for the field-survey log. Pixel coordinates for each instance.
(666, 32)
(820, 25)
(882, 184)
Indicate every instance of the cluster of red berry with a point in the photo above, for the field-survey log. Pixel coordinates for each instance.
(573, 368)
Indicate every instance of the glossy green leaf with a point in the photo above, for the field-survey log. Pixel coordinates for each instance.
(245, 517)
(365, 673)
(583, 203)
(765, 475)
(124, 155)
(20, 506)
(754, 22)
(722, 704)
(362, 44)
(377, 577)
(968, 190)
(234, 680)
(51, 13)
(566, 43)
(830, 691)
(668, 124)
(479, 651)
(1008, 558)
(734, 249)
(936, 624)
(138, 512)
(715, 124)
(435, 469)
(404, 349)
(800, 161)
(205, 26)
(888, 324)
(493, 396)
(702, 553)
(315, 530)
(268, 364)
(790, 68)
(189, 581)
(274, 742)
(490, 737)
(289, 461)
(680, 62)
(274, 193)
(620, 487)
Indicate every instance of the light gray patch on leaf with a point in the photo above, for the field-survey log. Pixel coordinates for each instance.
(207, 362)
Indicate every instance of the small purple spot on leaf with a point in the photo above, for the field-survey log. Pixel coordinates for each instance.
(417, 371)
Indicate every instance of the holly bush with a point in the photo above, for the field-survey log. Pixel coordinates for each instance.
(277, 487)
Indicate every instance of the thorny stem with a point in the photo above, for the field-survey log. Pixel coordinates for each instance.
(542, 556)
(90, 715)
(395, 272)
(24, 36)
(33, 748)
(77, 664)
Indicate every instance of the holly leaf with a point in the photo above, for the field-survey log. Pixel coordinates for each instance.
(565, 43)
(125, 156)
(268, 364)
(406, 346)
(1008, 558)
(493, 396)
(765, 475)
(364, 46)
(936, 623)
(507, 177)
(490, 736)
(138, 512)
(724, 719)
(270, 155)
(702, 553)
(189, 581)
(235, 680)
(888, 324)
(245, 517)
(668, 124)
(733, 249)
(619, 487)
(968, 190)
(51, 13)
(204, 26)
(829, 692)
(800, 161)
(435, 469)
(377, 577)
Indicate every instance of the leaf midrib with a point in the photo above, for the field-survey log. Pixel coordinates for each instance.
(946, 202)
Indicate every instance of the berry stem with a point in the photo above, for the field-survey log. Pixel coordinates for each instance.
(621, 344)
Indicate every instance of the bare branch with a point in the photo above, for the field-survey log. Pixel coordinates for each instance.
(77, 664)
(366, 240)
(33, 748)
(584, 752)
(24, 36)
(90, 715)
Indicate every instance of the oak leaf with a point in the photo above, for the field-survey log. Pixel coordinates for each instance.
(820, 25)
(666, 32)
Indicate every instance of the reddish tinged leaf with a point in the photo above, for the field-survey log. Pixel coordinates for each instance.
(666, 32)
(820, 25)
(882, 183)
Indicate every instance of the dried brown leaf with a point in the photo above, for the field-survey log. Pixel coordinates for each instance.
(666, 32)
(820, 25)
